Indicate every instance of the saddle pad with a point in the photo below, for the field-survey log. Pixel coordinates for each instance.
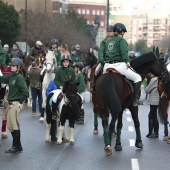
(51, 100)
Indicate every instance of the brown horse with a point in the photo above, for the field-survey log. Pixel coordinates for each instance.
(163, 109)
(116, 96)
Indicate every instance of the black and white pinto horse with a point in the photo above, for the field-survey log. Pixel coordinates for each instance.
(68, 108)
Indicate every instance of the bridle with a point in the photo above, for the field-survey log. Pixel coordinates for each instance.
(51, 65)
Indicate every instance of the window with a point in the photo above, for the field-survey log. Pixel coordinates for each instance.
(88, 22)
(87, 11)
(79, 11)
(93, 12)
(83, 11)
(102, 12)
(98, 12)
(102, 23)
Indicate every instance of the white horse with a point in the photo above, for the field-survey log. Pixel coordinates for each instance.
(50, 66)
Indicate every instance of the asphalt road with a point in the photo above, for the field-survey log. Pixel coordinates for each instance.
(88, 151)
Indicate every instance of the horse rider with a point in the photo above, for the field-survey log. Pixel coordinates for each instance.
(116, 56)
(4, 61)
(109, 35)
(34, 51)
(74, 57)
(16, 52)
(18, 92)
(54, 47)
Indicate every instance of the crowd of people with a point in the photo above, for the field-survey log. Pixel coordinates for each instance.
(113, 53)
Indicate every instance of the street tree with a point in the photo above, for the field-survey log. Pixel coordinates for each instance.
(9, 23)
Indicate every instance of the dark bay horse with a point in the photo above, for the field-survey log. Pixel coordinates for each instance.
(68, 108)
(163, 109)
(114, 97)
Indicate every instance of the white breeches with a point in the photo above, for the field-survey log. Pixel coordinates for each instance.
(2, 85)
(56, 93)
(122, 69)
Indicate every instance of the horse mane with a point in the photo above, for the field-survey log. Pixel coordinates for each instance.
(143, 59)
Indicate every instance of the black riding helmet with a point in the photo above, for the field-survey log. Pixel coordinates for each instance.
(119, 27)
(110, 28)
(78, 65)
(17, 62)
(66, 57)
(54, 41)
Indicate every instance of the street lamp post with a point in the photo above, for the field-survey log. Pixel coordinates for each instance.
(26, 26)
(107, 13)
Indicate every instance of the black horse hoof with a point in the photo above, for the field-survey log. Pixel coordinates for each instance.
(118, 147)
(139, 144)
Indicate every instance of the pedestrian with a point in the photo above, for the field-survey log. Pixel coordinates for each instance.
(153, 100)
(6, 48)
(74, 57)
(18, 92)
(132, 55)
(54, 47)
(16, 52)
(114, 54)
(34, 51)
(36, 87)
(80, 89)
(64, 49)
(64, 73)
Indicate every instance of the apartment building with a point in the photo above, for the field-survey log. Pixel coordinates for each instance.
(92, 11)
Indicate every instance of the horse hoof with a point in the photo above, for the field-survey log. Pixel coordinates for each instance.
(108, 150)
(118, 147)
(4, 135)
(165, 138)
(59, 142)
(47, 141)
(72, 142)
(95, 131)
(41, 120)
(139, 144)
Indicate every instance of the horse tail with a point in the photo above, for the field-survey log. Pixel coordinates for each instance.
(109, 94)
(160, 113)
(48, 109)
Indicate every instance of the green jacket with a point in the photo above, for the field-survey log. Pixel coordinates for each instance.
(63, 74)
(18, 90)
(113, 50)
(58, 56)
(75, 58)
(80, 80)
(34, 76)
(4, 57)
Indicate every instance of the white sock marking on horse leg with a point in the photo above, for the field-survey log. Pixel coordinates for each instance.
(135, 165)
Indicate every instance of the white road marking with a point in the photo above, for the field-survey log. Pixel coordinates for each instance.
(135, 165)
(130, 128)
(132, 142)
(129, 119)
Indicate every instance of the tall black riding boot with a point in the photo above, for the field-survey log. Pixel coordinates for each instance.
(136, 101)
(54, 110)
(150, 125)
(16, 142)
(53, 130)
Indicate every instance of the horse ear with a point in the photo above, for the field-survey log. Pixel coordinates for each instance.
(153, 49)
(157, 52)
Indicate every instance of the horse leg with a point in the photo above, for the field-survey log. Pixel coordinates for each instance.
(61, 129)
(107, 148)
(71, 130)
(134, 113)
(41, 120)
(118, 146)
(95, 124)
(53, 130)
(47, 139)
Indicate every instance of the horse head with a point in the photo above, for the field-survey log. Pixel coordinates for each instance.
(51, 62)
(70, 89)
